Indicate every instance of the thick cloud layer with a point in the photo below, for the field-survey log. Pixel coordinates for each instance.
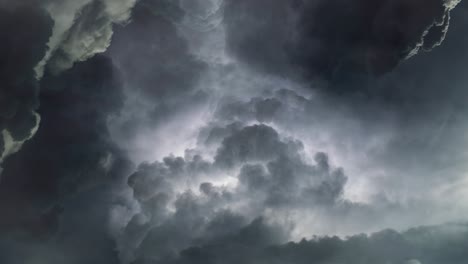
(333, 40)
(182, 200)
(241, 170)
(23, 45)
(253, 244)
(52, 35)
(62, 196)
(161, 75)
(265, 129)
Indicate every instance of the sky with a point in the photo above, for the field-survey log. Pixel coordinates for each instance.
(233, 131)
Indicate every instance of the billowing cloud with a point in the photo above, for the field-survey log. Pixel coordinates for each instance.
(82, 29)
(183, 199)
(264, 132)
(244, 173)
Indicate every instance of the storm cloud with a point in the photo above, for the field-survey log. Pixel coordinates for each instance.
(57, 35)
(181, 199)
(70, 165)
(82, 29)
(254, 244)
(334, 40)
(156, 93)
(23, 46)
(233, 131)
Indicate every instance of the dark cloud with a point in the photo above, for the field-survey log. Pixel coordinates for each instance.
(80, 236)
(158, 64)
(58, 191)
(289, 182)
(183, 204)
(258, 108)
(268, 105)
(161, 74)
(333, 40)
(275, 172)
(24, 33)
(368, 37)
(382, 150)
(213, 134)
(431, 81)
(151, 179)
(254, 143)
(258, 32)
(427, 245)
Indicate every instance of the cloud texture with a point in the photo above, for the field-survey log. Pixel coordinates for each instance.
(233, 131)
(333, 40)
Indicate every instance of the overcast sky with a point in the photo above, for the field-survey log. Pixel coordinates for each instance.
(233, 131)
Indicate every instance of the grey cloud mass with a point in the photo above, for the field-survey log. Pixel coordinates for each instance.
(82, 29)
(23, 46)
(233, 131)
(333, 40)
(155, 92)
(59, 33)
(252, 244)
(46, 204)
(272, 176)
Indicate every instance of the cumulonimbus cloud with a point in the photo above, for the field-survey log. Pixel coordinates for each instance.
(252, 182)
(191, 193)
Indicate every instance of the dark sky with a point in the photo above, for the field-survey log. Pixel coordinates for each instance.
(233, 131)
